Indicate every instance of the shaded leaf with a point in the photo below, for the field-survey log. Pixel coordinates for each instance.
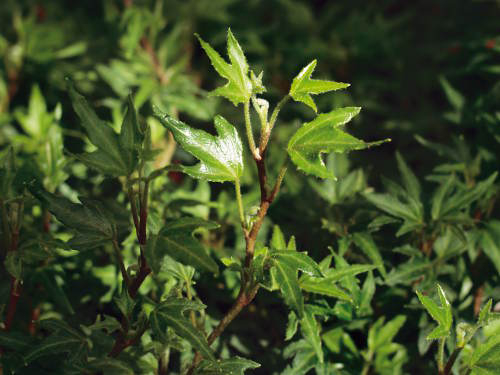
(234, 365)
(176, 239)
(169, 313)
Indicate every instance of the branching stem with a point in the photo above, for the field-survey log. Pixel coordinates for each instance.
(248, 288)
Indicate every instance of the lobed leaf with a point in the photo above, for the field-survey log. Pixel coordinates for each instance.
(441, 314)
(238, 88)
(303, 86)
(323, 135)
(221, 157)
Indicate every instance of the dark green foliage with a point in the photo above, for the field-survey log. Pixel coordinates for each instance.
(117, 255)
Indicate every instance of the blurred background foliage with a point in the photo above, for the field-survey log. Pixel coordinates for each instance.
(426, 75)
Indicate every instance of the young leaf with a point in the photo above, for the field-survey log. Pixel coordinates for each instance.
(238, 88)
(441, 314)
(169, 313)
(221, 157)
(234, 365)
(323, 135)
(303, 86)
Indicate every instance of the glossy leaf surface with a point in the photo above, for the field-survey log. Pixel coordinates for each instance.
(441, 314)
(303, 86)
(221, 157)
(323, 135)
(238, 88)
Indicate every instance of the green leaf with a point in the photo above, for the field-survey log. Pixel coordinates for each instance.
(110, 366)
(485, 360)
(455, 98)
(221, 157)
(381, 335)
(14, 265)
(101, 161)
(55, 291)
(410, 181)
(176, 240)
(297, 261)
(490, 242)
(304, 358)
(234, 366)
(311, 331)
(169, 313)
(441, 314)
(291, 327)
(303, 86)
(407, 272)
(130, 136)
(100, 134)
(324, 286)
(278, 239)
(286, 277)
(88, 219)
(238, 88)
(334, 275)
(439, 195)
(392, 206)
(463, 199)
(323, 135)
(15, 341)
(365, 242)
(55, 344)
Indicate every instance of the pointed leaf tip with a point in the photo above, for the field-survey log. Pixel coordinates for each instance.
(303, 86)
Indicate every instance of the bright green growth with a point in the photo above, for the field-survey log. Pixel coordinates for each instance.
(323, 135)
(441, 314)
(303, 86)
(239, 87)
(221, 157)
